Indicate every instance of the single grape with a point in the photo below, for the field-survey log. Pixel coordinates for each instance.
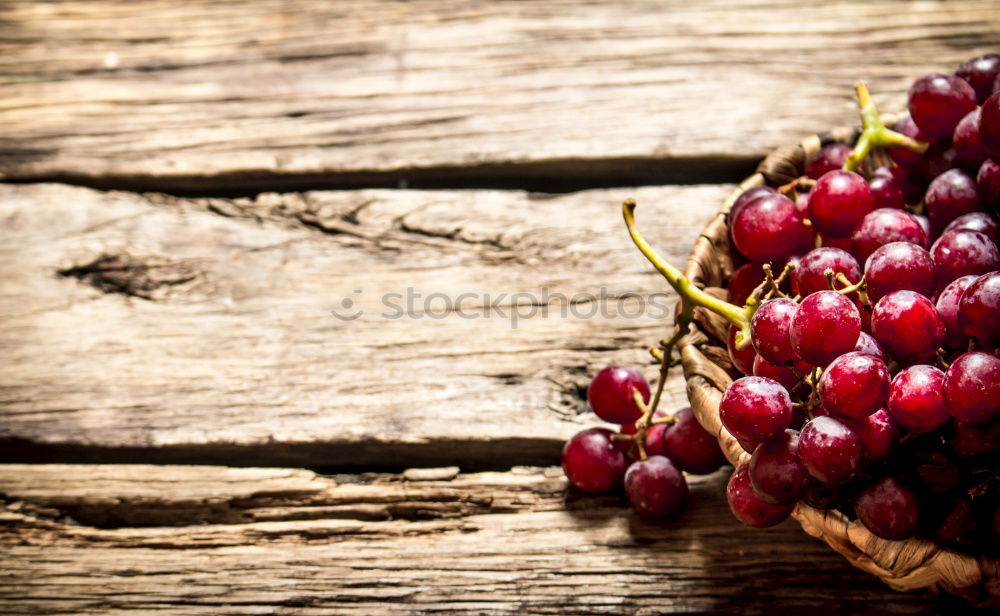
(654, 441)
(830, 450)
(769, 329)
(968, 148)
(782, 374)
(593, 461)
(829, 157)
(742, 359)
(950, 195)
(981, 73)
(916, 401)
(610, 394)
(908, 326)
(838, 202)
(690, 446)
(743, 281)
(655, 488)
(899, 266)
(886, 191)
(748, 507)
(989, 125)
(972, 387)
(888, 509)
(947, 307)
(975, 221)
(929, 229)
(979, 310)
(988, 183)
(769, 228)
(937, 102)
(879, 435)
(826, 325)
(809, 275)
(960, 253)
(754, 408)
(882, 227)
(854, 385)
(776, 472)
(751, 194)
(867, 344)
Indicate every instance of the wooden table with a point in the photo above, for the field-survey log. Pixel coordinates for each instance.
(192, 187)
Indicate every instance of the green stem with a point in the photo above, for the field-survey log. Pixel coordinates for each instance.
(690, 294)
(874, 133)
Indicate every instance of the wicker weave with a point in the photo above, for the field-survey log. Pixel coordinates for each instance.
(903, 565)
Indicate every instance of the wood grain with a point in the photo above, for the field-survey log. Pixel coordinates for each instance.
(146, 328)
(287, 95)
(287, 541)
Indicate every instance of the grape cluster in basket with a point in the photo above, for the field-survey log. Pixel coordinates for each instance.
(866, 320)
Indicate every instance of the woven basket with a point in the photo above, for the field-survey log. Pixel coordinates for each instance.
(903, 565)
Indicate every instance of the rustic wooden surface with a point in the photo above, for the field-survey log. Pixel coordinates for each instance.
(190, 190)
(225, 94)
(211, 540)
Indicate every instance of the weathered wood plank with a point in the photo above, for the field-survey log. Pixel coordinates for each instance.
(294, 542)
(278, 94)
(200, 330)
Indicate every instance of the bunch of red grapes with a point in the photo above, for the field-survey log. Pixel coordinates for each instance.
(873, 364)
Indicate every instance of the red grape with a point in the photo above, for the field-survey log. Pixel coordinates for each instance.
(908, 326)
(888, 509)
(975, 221)
(753, 408)
(854, 385)
(610, 394)
(592, 461)
(748, 507)
(947, 307)
(655, 488)
(972, 387)
(751, 194)
(968, 148)
(809, 276)
(769, 228)
(981, 73)
(742, 359)
(938, 102)
(776, 372)
(971, 440)
(838, 202)
(916, 401)
(826, 325)
(886, 190)
(830, 449)
(979, 310)
(950, 195)
(879, 435)
(689, 446)
(830, 157)
(960, 253)
(940, 157)
(776, 472)
(882, 227)
(769, 330)
(867, 344)
(899, 266)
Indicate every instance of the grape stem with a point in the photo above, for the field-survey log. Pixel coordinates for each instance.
(874, 133)
(690, 294)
